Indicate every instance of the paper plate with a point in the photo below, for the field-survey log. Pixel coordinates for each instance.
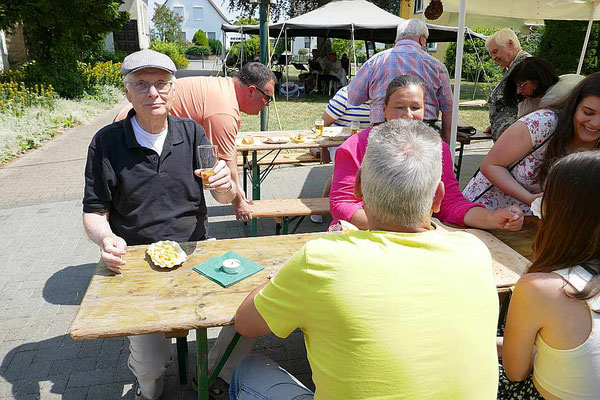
(276, 140)
(239, 142)
(166, 254)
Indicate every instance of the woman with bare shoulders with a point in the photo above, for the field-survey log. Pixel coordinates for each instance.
(553, 322)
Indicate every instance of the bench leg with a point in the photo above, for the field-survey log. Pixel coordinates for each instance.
(245, 171)
(255, 188)
(202, 363)
(298, 224)
(460, 156)
(504, 308)
(182, 358)
(224, 358)
(286, 222)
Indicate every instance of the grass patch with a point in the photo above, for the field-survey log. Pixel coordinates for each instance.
(36, 124)
(295, 113)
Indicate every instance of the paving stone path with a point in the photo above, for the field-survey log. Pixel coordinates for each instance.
(46, 263)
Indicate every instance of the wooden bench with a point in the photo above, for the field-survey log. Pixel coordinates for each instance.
(283, 158)
(284, 210)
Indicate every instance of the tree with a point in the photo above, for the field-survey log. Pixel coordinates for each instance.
(58, 33)
(200, 38)
(167, 24)
(293, 8)
(246, 21)
(341, 46)
(561, 44)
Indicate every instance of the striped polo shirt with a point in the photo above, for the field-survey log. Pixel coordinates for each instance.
(344, 113)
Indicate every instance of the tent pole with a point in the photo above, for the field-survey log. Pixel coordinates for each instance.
(353, 51)
(457, 75)
(224, 54)
(587, 36)
(242, 48)
(287, 69)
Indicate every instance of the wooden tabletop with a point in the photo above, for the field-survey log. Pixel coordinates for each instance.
(310, 142)
(521, 241)
(145, 298)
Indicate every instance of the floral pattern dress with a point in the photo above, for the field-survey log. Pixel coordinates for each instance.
(541, 124)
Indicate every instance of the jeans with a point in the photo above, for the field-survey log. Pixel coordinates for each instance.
(260, 378)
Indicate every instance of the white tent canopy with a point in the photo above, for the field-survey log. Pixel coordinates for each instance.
(340, 18)
(530, 9)
(586, 10)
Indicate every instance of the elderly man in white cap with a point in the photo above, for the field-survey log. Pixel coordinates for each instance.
(142, 185)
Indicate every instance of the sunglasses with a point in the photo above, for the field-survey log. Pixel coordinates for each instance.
(269, 98)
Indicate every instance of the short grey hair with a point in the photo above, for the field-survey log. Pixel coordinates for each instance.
(502, 37)
(256, 74)
(411, 28)
(400, 172)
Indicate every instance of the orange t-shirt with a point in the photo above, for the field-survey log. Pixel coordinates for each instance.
(211, 102)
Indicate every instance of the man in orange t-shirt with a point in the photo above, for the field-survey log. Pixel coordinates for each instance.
(215, 103)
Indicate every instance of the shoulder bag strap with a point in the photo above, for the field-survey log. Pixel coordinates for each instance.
(533, 150)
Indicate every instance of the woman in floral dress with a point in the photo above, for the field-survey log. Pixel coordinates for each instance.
(534, 143)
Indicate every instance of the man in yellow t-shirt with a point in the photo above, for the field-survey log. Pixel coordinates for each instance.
(215, 103)
(406, 310)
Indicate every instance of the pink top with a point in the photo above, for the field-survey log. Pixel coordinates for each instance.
(348, 159)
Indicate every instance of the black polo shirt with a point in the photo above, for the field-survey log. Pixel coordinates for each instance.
(149, 198)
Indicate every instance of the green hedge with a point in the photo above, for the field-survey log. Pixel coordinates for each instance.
(215, 46)
(198, 51)
(561, 44)
(173, 50)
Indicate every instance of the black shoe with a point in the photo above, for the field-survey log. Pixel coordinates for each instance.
(219, 390)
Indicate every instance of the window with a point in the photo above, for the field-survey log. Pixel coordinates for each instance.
(211, 35)
(179, 10)
(198, 13)
(418, 6)
(431, 47)
(307, 43)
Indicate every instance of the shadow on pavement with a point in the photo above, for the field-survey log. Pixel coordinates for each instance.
(67, 286)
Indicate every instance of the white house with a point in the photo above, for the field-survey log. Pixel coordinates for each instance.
(197, 14)
(136, 33)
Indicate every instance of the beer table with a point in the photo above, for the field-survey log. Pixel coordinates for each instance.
(257, 176)
(522, 240)
(147, 299)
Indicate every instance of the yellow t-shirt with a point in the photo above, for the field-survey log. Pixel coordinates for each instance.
(391, 315)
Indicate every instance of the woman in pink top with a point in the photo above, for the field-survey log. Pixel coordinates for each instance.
(404, 100)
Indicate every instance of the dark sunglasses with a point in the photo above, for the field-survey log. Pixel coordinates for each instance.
(269, 98)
